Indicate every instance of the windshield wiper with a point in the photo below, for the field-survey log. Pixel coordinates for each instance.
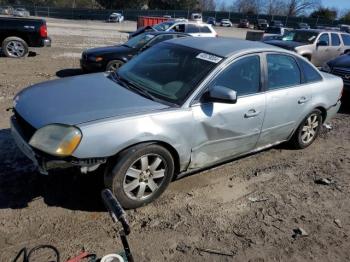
(130, 85)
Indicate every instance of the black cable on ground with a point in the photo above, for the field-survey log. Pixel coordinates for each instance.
(26, 254)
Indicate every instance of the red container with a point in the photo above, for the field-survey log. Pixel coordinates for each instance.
(149, 21)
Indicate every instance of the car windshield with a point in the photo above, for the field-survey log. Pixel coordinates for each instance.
(139, 40)
(262, 21)
(273, 30)
(169, 72)
(163, 26)
(301, 36)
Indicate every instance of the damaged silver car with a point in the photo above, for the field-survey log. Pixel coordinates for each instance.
(180, 106)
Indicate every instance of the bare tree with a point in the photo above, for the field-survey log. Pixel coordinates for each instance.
(299, 7)
(248, 6)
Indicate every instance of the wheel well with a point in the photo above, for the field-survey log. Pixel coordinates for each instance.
(167, 146)
(323, 111)
(307, 56)
(347, 51)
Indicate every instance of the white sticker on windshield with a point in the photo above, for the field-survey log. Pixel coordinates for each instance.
(208, 57)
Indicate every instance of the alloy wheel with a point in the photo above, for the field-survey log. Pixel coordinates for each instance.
(15, 48)
(309, 129)
(144, 177)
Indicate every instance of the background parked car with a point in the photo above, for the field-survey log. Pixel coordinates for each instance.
(110, 58)
(243, 23)
(274, 33)
(179, 106)
(318, 46)
(191, 28)
(21, 12)
(211, 21)
(197, 17)
(303, 26)
(17, 34)
(225, 23)
(340, 66)
(7, 10)
(261, 24)
(344, 28)
(115, 18)
(276, 23)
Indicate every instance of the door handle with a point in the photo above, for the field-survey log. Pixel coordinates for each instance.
(303, 100)
(251, 113)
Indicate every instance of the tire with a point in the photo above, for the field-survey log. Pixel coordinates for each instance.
(308, 130)
(15, 47)
(114, 65)
(140, 174)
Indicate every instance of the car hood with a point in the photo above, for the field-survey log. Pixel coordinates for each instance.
(79, 99)
(107, 50)
(341, 61)
(290, 45)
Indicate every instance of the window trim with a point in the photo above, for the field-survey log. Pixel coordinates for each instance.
(224, 66)
(267, 90)
(337, 35)
(329, 39)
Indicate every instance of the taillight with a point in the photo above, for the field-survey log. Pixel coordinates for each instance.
(43, 31)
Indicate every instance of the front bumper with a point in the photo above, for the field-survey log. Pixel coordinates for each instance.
(89, 66)
(45, 162)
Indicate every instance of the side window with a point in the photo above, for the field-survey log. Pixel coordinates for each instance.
(346, 39)
(192, 29)
(310, 73)
(160, 38)
(243, 76)
(283, 71)
(335, 39)
(325, 38)
(179, 28)
(205, 29)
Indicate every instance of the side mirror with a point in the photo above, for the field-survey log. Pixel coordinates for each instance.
(221, 94)
(322, 43)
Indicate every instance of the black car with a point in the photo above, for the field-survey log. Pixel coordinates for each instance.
(211, 21)
(276, 23)
(261, 24)
(340, 66)
(18, 34)
(110, 58)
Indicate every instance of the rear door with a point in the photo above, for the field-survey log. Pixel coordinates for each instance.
(322, 54)
(227, 130)
(192, 29)
(336, 48)
(287, 98)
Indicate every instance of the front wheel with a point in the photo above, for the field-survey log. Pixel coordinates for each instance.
(113, 65)
(308, 130)
(140, 175)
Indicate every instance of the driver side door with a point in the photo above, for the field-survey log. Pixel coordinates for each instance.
(223, 131)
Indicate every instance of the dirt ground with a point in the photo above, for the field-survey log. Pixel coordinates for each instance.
(246, 209)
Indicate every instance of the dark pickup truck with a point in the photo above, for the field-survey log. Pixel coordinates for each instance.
(17, 34)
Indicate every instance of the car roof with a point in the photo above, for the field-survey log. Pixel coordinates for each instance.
(318, 30)
(165, 33)
(223, 46)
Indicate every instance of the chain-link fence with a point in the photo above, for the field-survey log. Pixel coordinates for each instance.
(102, 14)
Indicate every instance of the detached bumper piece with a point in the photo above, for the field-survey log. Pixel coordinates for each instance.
(44, 162)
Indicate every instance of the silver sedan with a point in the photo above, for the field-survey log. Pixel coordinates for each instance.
(182, 105)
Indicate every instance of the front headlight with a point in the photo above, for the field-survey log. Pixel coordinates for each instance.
(58, 140)
(326, 68)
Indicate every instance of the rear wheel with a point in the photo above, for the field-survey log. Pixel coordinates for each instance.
(140, 174)
(308, 130)
(113, 65)
(15, 47)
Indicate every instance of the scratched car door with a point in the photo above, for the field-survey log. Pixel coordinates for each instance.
(224, 130)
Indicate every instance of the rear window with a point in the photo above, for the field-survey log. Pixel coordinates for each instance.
(335, 39)
(310, 73)
(192, 29)
(205, 29)
(346, 39)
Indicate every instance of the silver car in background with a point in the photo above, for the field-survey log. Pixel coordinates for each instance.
(180, 106)
(318, 46)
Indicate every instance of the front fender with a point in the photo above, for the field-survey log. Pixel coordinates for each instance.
(108, 137)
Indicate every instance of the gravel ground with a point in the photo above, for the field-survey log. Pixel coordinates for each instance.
(246, 209)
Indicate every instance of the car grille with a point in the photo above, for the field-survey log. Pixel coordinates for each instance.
(26, 129)
(343, 73)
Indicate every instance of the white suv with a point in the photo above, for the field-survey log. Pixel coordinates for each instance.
(191, 28)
